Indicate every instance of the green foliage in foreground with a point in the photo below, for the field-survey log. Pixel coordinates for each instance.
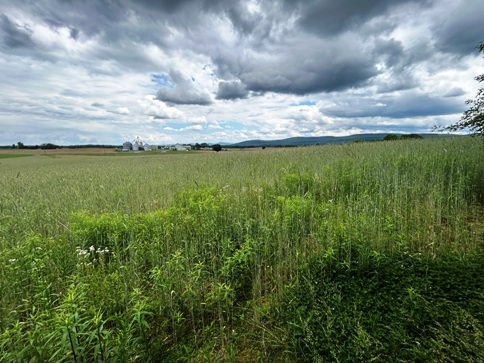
(406, 308)
(355, 253)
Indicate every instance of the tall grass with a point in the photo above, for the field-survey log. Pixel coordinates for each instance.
(274, 255)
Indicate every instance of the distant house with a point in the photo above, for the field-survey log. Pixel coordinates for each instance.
(180, 147)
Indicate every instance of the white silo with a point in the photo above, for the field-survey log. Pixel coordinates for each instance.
(136, 146)
(127, 146)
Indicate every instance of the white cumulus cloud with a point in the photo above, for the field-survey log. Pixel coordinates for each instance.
(158, 109)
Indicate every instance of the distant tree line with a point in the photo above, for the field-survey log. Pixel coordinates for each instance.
(20, 145)
(391, 137)
(51, 146)
(204, 145)
(198, 146)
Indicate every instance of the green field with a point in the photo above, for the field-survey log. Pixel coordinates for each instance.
(10, 156)
(357, 252)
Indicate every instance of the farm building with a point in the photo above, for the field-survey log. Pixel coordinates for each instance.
(137, 145)
(127, 146)
(180, 147)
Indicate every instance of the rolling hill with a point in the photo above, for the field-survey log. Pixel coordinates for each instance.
(305, 141)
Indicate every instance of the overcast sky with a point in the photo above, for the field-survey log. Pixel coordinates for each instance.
(105, 72)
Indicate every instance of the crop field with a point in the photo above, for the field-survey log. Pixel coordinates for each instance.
(333, 253)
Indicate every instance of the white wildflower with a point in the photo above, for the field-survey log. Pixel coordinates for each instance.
(102, 250)
(12, 260)
(81, 252)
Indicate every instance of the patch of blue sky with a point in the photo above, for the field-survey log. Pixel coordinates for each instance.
(162, 80)
(304, 103)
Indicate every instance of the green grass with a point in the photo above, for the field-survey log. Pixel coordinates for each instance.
(366, 251)
(10, 156)
(127, 153)
(399, 309)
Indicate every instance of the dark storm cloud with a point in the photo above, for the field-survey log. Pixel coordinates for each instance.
(334, 17)
(302, 70)
(15, 35)
(281, 60)
(231, 90)
(168, 6)
(319, 62)
(398, 81)
(247, 23)
(185, 7)
(463, 30)
(107, 21)
(454, 92)
(89, 17)
(327, 78)
(323, 61)
(389, 50)
(74, 33)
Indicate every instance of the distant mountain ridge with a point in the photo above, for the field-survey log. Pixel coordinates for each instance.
(314, 140)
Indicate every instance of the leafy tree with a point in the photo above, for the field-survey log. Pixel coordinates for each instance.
(473, 118)
(391, 137)
(217, 147)
(48, 146)
(20, 145)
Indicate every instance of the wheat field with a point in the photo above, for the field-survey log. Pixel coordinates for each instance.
(363, 251)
